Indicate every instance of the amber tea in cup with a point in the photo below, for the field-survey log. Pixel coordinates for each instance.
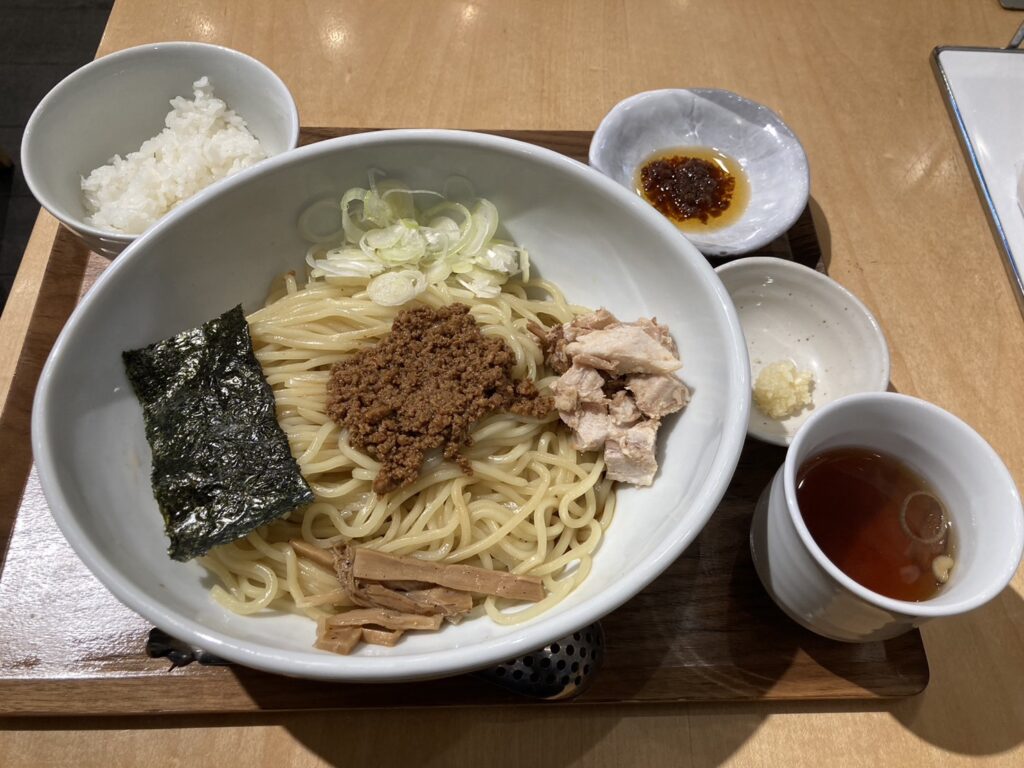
(878, 521)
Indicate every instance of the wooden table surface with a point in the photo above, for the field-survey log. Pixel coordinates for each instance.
(904, 230)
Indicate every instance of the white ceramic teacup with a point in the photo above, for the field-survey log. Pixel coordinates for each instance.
(978, 491)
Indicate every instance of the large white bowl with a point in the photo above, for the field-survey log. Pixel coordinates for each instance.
(603, 245)
(111, 105)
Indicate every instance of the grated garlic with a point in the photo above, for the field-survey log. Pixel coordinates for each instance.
(781, 391)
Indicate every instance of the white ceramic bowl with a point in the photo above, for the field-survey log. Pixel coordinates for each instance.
(113, 104)
(791, 312)
(765, 147)
(978, 490)
(224, 248)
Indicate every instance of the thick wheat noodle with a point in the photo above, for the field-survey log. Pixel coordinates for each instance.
(533, 504)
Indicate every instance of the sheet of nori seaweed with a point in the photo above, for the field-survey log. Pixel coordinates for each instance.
(221, 463)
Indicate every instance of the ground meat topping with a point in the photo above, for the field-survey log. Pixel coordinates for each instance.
(424, 386)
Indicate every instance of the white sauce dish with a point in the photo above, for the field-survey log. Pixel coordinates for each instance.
(791, 312)
(768, 152)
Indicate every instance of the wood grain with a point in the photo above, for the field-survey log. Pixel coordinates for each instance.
(703, 631)
(900, 225)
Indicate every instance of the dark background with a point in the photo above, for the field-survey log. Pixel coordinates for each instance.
(41, 42)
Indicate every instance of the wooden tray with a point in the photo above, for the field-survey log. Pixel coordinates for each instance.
(704, 631)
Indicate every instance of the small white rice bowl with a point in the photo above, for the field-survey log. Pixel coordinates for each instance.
(112, 105)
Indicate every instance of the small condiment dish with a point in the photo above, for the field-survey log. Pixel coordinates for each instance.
(113, 104)
(791, 312)
(977, 490)
(769, 153)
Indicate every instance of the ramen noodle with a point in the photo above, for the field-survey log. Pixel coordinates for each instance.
(532, 505)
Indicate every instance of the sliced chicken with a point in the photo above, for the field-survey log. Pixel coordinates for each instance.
(593, 361)
(578, 384)
(622, 349)
(659, 333)
(590, 424)
(584, 324)
(616, 384)
(555, 340)
(623, 410)
(629, 453)
(658, 395)
(554, 346)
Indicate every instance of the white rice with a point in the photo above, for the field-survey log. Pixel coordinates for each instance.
(203, 142)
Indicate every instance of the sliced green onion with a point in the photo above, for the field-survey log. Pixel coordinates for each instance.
(396, 195)
(485, 224)
(524, 265)
(321, 222)
(483, 284)
(377, 211)
(381, 239)
(345, 262)
(499, 258)
(392, 289)
(382, 234)
(353, 230)
(438, 271)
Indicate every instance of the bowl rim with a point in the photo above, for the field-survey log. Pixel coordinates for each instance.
(829, 283)
(112, 59)
(802, 176)
(529, 636)
(924, 609)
